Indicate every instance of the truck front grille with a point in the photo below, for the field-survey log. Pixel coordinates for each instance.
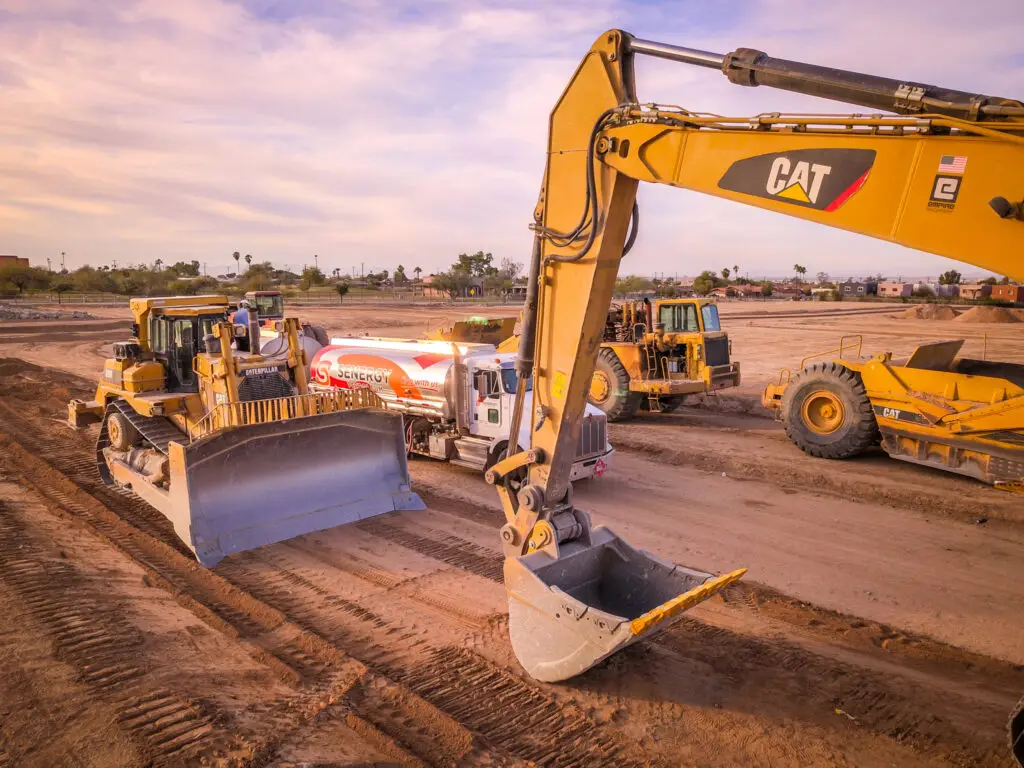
(593, 436)
(716, 351)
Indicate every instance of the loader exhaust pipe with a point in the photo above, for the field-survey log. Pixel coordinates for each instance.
(750, 67)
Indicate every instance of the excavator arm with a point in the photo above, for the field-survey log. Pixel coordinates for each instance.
(944, 174)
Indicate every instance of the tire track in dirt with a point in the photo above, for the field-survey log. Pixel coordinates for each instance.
(813, 681)
(264, 609)
(323, 674)
(94, 639)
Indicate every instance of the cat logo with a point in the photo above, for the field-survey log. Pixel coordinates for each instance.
(822, 179)
(800, 182)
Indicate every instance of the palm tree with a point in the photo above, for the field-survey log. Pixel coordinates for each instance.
(236, 256)
(735, 271)
(799, 270)
(157, 264)
(417, 271)
(726, 273)
(248, 258)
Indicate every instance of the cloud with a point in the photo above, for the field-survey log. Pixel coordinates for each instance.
(380, 133)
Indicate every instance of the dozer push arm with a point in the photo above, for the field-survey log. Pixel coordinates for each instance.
(945, 177)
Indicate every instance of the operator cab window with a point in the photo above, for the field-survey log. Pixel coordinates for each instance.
(158, 334)
(270, 306)
(679, 318)
(710, 314)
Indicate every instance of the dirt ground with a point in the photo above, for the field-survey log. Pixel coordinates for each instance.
(879, 623)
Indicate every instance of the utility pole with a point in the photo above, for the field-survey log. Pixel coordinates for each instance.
(205, 273)
(316, 261)
(362, 272)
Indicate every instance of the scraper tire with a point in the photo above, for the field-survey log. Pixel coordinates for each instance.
(609, 389)
(827, 412)
(1017, 733)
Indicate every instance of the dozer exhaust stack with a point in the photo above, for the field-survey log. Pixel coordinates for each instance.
(253, 485)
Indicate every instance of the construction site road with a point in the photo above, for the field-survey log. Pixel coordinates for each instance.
(879, 623)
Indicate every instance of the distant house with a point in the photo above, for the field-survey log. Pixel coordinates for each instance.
(975, 291)
(723, 292)
(823, 294)
(938, 289)
(1010, 293)
(897, 290)
(750, 291)
(8, 260)
(855, 288)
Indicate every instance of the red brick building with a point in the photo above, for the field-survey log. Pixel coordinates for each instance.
(8, 261)
(1012, 293)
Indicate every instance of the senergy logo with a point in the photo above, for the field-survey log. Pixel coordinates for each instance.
(823, 179)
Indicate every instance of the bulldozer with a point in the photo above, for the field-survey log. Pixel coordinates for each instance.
(233, 448)
(656, 353)
(578, 592)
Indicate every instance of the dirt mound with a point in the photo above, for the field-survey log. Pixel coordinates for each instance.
(989, 315)
(11, 312)
(930, 312)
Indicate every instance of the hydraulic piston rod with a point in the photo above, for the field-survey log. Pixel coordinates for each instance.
(750, 67)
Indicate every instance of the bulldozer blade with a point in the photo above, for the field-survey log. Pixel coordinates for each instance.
(259, 484)
(567, 614)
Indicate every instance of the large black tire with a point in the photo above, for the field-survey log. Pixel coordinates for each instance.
(516, 479)
(609, 390)
(827, 412)
(121, 433)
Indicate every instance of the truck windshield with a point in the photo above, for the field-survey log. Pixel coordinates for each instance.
(269, 306)
(710, 313)
(509, 380)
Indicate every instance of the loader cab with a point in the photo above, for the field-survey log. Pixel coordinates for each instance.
(176, 336)
(269, 304)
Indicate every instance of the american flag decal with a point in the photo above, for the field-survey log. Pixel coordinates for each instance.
(952, 164)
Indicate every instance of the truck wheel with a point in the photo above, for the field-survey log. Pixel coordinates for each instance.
(516, 479)
(1017, 733)
(609, 388)
(827, 412)
(122, 435)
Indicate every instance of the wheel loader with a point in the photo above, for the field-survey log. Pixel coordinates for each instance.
(232, 447)
(940, 173)
(655, 354)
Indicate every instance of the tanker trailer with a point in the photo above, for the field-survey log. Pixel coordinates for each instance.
(456, 398)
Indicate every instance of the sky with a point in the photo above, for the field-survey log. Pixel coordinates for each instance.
(382, 133)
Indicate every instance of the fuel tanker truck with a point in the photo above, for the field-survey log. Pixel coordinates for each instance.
(456, 398)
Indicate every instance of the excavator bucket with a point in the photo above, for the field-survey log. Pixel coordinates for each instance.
(567, 614)
(258, 484)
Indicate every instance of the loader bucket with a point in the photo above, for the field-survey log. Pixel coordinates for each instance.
(258, 484)
(570, 613)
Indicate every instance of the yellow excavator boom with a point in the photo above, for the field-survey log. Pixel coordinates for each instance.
(942, 176)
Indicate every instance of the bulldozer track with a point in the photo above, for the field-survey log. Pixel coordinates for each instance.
(303, 631)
